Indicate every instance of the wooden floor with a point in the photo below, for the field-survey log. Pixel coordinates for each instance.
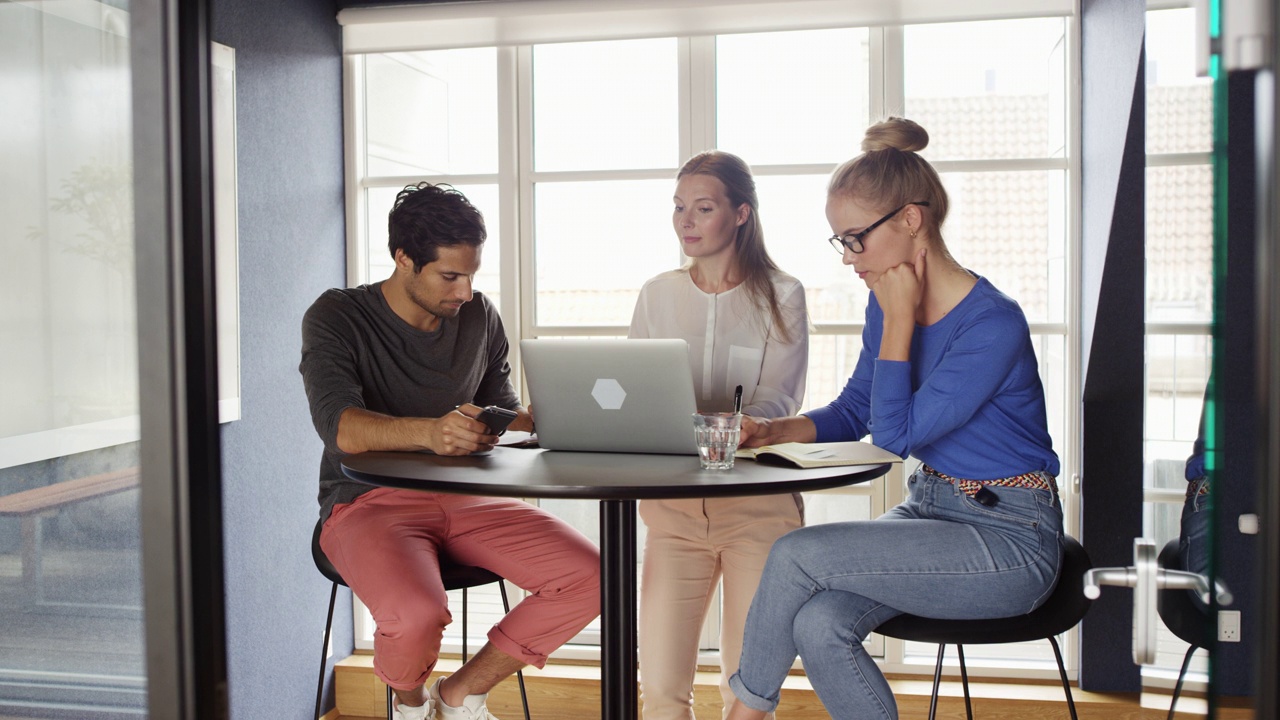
(572, 693)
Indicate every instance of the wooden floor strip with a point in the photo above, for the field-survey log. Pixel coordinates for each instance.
(572, 692)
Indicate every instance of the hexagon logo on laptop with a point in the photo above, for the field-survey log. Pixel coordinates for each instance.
(609, 394)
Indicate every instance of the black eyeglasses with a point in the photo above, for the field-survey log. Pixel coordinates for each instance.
(853, 241)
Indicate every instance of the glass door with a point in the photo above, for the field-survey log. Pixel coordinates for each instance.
(71, 622)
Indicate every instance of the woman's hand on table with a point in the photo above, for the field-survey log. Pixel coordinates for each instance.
(758, 432)
(755, 432)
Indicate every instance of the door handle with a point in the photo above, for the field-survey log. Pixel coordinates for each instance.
(1142, 578)
(1147, 578)
(1183, 580)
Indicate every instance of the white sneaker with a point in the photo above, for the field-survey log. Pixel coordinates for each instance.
(426, 711)
(473, 707)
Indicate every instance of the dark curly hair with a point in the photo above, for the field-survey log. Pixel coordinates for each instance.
(425, 217)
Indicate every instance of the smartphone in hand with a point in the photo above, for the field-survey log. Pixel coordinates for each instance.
(496, 418)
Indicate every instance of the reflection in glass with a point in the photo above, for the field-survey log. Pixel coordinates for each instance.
(606, 105)
(1179, 265)
(1000, 97)
(70, 578)
(813, 83)
(1179, 103)
(1178, 286)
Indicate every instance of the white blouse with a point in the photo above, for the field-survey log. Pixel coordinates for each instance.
(731, 341)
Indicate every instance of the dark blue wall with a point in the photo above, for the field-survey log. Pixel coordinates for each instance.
(292, 247)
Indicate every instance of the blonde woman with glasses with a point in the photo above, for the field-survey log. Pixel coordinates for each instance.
(948, 375)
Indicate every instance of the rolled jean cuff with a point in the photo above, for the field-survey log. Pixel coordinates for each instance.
(508, 645)
(750, 699)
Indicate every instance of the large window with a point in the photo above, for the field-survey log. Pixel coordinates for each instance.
(571, 150)
(1179, 286)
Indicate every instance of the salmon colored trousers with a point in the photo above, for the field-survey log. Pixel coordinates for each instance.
(387, 544)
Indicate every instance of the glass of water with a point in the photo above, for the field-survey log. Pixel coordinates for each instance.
(717, 438)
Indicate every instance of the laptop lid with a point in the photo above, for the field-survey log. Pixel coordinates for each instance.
(611, 395)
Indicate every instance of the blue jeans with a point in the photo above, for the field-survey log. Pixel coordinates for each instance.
(1193, 545)
(940, 554)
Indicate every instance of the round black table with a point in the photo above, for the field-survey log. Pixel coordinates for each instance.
(617, 480)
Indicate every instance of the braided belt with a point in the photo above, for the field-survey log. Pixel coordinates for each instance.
(1034, 481)
(1192, 491)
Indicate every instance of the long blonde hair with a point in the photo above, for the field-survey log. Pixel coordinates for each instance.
(756, 266)
(889, 173)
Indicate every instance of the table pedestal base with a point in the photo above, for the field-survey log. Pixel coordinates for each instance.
(618, 691)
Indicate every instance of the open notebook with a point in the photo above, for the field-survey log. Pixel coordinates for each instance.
(813, 455)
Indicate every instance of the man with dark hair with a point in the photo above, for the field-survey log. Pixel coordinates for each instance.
(405, 364)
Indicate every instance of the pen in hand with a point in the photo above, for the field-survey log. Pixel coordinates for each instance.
(737, 400)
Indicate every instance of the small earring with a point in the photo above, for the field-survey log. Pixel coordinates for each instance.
(913, 234)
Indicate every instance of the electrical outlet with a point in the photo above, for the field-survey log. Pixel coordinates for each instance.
(1228, 626)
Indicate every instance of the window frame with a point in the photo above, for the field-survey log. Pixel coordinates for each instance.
(516, 180)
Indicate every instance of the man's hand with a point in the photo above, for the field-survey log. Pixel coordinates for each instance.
(523, 421)
(459, 433)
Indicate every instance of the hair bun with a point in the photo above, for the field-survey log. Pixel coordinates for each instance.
(897, 133)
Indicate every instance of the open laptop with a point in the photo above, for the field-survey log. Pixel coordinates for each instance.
(611, 395)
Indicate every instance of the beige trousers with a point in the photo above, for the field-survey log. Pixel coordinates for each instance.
(691, 545)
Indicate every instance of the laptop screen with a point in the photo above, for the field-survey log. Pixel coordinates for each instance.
(611, 395)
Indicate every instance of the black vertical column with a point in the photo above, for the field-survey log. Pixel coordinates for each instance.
(1234, 484)
(1266, 397)
(1113, 177)
(181, 487)
(618, 609)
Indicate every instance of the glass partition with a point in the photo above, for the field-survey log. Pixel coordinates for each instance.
(71, 632)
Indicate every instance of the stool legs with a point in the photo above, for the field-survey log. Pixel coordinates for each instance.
(1062, 672)
(937, 680)
(328, 626)
(964, 682)
(1177, 688)
(324, 649)
(464, 625)
(506, 608)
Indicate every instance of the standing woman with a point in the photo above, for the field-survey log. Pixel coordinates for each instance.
(745, 322)
(948, 375)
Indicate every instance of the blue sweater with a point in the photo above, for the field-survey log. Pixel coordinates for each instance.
(969, 403)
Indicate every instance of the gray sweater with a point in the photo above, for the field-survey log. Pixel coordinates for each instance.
(356, 352)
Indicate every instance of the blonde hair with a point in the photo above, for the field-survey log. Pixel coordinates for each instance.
(753, 259)
(889, 173)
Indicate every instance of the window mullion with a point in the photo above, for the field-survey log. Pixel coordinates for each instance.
(354, 151)
(509, 197)
(892, 73)
(701, 99)
(524, 182)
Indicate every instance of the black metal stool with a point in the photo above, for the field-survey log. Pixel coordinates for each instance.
(1061, 612)
(455, 577)
(1183, 617)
